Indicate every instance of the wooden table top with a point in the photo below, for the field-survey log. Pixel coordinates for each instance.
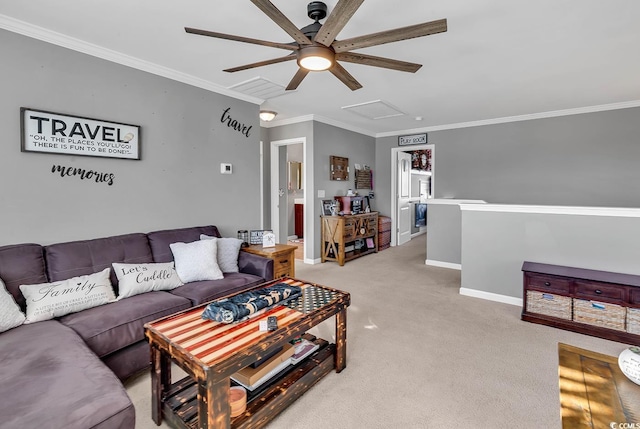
(274, 250)
(206, 342)
(594, 393)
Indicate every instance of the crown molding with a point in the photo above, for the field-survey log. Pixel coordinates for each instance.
(318, 118)
(59, 39)
(555, 210)
(506, 119)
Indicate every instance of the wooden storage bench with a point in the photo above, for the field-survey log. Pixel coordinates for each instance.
(597, 303)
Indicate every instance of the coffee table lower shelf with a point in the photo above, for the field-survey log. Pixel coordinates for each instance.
(180, 404)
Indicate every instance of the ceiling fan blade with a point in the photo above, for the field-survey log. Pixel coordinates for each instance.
(389, 36)
(370, 60)
(338, 71)
(336, 21)
(261, 63)
(297, 78)
(287, 46)
(278, 17)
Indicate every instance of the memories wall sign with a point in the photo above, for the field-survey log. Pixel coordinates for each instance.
(75, 135)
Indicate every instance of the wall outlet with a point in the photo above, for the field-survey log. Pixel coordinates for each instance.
(226, 168)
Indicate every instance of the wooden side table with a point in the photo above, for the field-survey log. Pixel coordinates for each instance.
(283, 255)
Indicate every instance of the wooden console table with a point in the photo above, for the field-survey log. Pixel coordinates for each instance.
(591, 302)
(594, 393)
(339, 234)
(283, 255)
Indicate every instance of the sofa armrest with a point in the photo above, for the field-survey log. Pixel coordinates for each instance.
(257, 265)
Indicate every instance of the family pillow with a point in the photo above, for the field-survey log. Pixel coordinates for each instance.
(228, 250)
(134, 279)
(48, 300)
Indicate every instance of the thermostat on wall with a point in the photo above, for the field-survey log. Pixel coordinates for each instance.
(226, 168)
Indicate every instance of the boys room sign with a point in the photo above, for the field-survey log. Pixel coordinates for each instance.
(75, 135)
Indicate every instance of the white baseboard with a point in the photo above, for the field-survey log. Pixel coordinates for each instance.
(443, 264)
(312, 261)
(491, 296)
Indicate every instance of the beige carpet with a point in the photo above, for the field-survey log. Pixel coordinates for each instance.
(422, 356)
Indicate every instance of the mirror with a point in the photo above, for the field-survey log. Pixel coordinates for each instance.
(295, 175)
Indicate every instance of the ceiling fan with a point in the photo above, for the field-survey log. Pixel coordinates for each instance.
(316, 47)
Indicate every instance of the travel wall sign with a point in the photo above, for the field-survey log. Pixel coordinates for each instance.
(413, 139)
(75, 135)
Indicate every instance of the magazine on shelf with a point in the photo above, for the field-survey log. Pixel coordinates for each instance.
(303, 349)
(274, 372)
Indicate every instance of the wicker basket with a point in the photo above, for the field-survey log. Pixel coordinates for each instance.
(633, 320)
(549, 304)
(602, 314)
(384, 240)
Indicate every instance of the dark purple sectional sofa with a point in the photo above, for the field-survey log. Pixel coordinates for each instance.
(67, 372)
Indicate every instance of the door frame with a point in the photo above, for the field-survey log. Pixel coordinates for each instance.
(394, 182)
(308, 191)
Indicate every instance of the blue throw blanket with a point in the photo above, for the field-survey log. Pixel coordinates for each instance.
(243, 305)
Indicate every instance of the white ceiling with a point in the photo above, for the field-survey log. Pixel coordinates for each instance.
(499, 58)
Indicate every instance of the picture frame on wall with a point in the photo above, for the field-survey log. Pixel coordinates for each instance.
(62, 134)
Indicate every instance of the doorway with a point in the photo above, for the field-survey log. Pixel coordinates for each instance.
(279, 197)
(401, 191)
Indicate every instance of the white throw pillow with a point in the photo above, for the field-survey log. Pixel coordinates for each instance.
(10, 314)
(134, 279)
(48, 300)
(196, 261)
(228, 250)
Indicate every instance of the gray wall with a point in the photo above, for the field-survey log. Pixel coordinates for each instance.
(323, 141)
(585, 160)
(494, 246)
(177, 183)
(286, 132)
(444, 233)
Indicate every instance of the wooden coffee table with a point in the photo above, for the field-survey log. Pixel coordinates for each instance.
(210, 352)
(594, 393)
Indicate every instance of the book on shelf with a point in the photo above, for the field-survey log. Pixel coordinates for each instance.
(266, 377)
(251, 377)
(303, 349)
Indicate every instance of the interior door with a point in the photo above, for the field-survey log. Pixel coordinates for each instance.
(404, 198)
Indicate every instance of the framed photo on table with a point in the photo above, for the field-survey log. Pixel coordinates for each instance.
(255, 236)
(328, 208)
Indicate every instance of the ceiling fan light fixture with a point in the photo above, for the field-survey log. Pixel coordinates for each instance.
(267, 115)
(315, 58)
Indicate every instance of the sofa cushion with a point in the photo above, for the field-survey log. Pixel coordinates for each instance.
(48, 300)
(21, 264)
(228, 250)
(205, 291)
(196, 261)
(10, 314)
(53, 380)
(78, 258)
(116, 325)
(134, 279)
(159, 241)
